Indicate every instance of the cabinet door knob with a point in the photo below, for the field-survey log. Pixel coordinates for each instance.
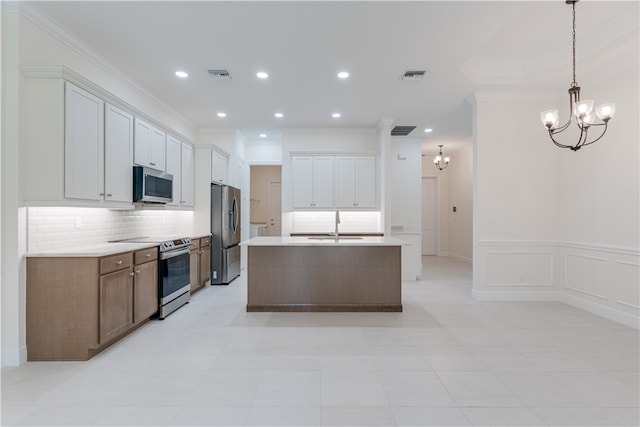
(109, 195)
(102, 194)
(119, 262)
(131, 273)
(152, 164)
(137, 271)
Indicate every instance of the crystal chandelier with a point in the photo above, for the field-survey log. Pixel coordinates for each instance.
(439, 161)
(582, 110)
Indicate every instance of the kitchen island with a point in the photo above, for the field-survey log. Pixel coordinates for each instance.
(322, 274)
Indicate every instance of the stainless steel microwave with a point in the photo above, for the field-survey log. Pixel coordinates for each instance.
(152, 186)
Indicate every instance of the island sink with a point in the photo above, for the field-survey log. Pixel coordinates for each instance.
(333, 238)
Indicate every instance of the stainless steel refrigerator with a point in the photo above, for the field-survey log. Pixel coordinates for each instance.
(225, 231)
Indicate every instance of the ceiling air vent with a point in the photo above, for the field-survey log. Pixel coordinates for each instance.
(220, 74)
(402, 130)
(413, 75)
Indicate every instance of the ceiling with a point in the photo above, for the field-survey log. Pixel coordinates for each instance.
(462, 45)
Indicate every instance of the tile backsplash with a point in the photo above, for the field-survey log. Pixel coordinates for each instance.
(52, 228)
(324, 222)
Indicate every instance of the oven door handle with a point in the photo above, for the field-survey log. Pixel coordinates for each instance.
(172, 254)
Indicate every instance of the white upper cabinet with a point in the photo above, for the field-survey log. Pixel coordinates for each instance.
(118, 155)
(174, 167)
(312, 179)
(150, 145)
(219, 168)
(187, 176)
(83, 145)
(329, 182)
(180, 165)
(356, 182)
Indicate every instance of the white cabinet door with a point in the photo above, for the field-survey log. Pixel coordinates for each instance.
(356, 182)
(187, 176)
(218, 167)
(323, 182)
(346, 182)
(174, 167)
(142, 137)
(157, 149)
(150, 145)
(118, 154)
(302, 181)
(366, 182)
(83, 145)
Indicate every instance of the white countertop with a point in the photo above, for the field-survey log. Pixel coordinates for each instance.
(103, 249)
(306, 241)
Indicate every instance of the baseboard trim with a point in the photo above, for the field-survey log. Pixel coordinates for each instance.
(601, 310)
(15, 357)
(563, 297)
(479, 295)
(461, 258)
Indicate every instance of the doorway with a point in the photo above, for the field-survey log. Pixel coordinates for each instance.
(266, 200)
(429, 215)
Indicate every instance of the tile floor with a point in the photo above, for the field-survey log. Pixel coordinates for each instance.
(446, 360)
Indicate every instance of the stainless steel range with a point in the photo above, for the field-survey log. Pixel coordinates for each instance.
(174, 288)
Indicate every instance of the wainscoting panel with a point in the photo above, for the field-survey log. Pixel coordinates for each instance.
(587, 275)
(627, 292)
(604, 280)
(519, 268)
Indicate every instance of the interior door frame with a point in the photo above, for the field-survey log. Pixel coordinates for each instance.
(436, 208)
(269, 206)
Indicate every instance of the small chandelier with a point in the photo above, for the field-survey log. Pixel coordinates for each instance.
(439, 161)
(582, 110)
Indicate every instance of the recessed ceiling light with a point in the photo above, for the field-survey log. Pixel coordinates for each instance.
(336, 115)
(343, 74)
(279, 115)
(182, 74)
(428, 130)
(263, 135)
(262, 75)
(221, 114)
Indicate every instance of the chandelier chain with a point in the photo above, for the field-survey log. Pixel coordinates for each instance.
(574, 84)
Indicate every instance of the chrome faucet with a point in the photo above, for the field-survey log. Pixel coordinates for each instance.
(336, 234)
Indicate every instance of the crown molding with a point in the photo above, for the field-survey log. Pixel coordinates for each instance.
(66, 37)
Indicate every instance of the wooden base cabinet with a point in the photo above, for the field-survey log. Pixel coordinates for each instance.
(76, 307)
(200, 263)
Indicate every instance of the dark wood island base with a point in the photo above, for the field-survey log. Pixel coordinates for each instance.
(337, 278)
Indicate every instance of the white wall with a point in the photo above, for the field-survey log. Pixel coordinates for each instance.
(405, 200)
(555, 224)
(13, 225)
(263, 152)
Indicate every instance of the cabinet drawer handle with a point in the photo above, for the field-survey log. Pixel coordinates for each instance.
(152, 164)
(148, 255)
(119, 262)
(109, 195)
(137, 271)
(102, 194)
